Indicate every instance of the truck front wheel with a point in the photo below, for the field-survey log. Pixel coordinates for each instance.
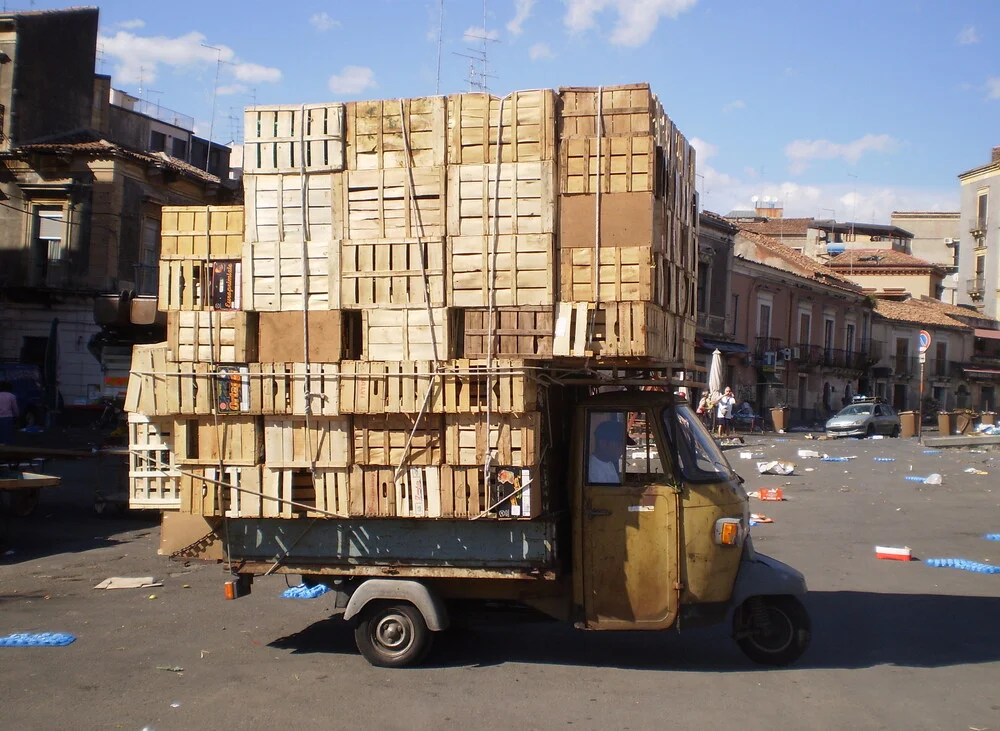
(392, 635)
(772, 630)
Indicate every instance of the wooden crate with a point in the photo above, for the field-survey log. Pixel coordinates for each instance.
(467, 384)
(274, 208)
(523, 271)
(392, 272)
(183, 285)
(398, 387)
(280, 336)
(625, 274)
(406, 334)
(273, 279)
(524, 202)
(527, 127)
(314, 442)
(463, 492)
(414, 493)
(379, 133)
(228, 337)
(320, 493)
(512, 439)
(521, 332)
(626, 110)
(615, 330)
(285, 389)
(233, 440)
(201, 232)
(381, 440)
(392, 203)
(611, 165)
(285, 139)
(231, 491)
(152, 473)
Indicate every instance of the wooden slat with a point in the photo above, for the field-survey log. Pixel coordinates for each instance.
(609, 164)
(277, 137)
(382, 440)
(378, 272)
(522, 332)
(512, 439)
(183, 285)
(323, 442)
(524, 204)
(406, 334)
(626, 110)
(273, 277)
(521, 272)
(235, 440)
(380, 132)
(392, 203)
(228, 337)
(274, 206)
(201, 232)
(152, 474)
(625, 274)
(527, 127)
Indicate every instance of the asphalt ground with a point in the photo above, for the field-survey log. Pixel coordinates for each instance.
(895, 645)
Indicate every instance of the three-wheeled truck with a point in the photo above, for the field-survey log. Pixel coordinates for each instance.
(646, 528)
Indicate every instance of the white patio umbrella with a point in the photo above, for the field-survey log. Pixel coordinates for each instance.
(715, 373)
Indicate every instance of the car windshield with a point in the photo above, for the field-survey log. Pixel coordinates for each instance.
(700, 458)
(856, 410)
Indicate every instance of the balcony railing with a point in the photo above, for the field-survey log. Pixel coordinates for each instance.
(715, 324)
(975, 286)
(847, 359)
(810, 355)
(977, 226)
(767, 345)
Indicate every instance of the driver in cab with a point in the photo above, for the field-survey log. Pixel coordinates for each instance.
(606, 453)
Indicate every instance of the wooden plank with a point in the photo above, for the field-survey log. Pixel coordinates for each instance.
(406, 334)
(201, 232)
(322, 442)
(382, 440)
(520, 269)
(233, 440)
(524, 202)
(379, 133)
(280, 336)
(527, 127)
(213, 336)
(285, 139)
(392, 203)
(522, 332)
(183, 285)
(273, 277)
(274, 207)
(378, 272)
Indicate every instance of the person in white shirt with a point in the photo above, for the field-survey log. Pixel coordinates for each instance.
(724, 411)
(606, 453)
(8, 413)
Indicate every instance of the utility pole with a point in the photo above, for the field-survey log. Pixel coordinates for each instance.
(215, 95)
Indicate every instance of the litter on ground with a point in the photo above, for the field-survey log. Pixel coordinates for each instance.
(893, 553)
(775, 467)
(964, 564)
(305, 592)
(974, 471)
(808, 453)
(37, 639)
(129, 582)
(756, 518)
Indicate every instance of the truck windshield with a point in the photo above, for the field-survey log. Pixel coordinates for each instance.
(700, 458)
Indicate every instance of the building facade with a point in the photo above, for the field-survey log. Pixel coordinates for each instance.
(887, 272)
(936, 239)
(979, 248)
(716, 329)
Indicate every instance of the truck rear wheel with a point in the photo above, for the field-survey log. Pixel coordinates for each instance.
(772, 630)
(392, 635)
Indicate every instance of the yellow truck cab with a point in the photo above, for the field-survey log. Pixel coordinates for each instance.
(646, 528)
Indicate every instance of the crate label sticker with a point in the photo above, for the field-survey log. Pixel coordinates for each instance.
(506, 492)
(640, 508)
(226, 285)
(232, 389)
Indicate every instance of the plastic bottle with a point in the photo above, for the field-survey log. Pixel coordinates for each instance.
(933, 479)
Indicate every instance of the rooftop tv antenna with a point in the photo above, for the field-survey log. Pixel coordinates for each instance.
(479, 62)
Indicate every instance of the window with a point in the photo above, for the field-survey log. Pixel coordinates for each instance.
(850, 332)
(50, 232)
(736, 312)
(982, 207)
(699, 456)
(828, 334)
(149, 256)
(704, 273)
(157, 142)
(764, 319)
(179, 149)
(621, 448)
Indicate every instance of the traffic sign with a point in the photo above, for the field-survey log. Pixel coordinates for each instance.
(924, 340)
(923, 358)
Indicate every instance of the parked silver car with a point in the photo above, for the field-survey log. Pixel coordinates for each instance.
(864, 419)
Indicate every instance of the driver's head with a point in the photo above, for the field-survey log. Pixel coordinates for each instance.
(609, 436)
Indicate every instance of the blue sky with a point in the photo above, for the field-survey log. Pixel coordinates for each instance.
(810, 103)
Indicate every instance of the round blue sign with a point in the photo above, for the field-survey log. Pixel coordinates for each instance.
(925, 340)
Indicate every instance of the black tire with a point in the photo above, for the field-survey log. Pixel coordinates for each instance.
(895, 431)
(786, 635)
(870, 431)
(24, 502)
(392, 634)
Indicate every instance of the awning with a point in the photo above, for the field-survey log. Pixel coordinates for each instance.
(982, 372)
(988, 334)
(728, 348)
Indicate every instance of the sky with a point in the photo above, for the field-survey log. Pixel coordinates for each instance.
(847, 110)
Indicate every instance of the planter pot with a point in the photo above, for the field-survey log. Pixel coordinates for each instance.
(780, 418)
(946, 423)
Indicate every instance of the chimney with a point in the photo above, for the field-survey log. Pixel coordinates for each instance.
(996, 154)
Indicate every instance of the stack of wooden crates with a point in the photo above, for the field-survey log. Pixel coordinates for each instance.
(364, 337)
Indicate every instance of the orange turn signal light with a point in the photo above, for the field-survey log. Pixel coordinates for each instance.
(730, 533)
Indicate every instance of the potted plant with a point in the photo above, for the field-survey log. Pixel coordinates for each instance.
(780, 416)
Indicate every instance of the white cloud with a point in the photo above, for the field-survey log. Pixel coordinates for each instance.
(323, 22)
(255, 73)
(352, 80)
(968, 36)
(705, 150)
(636, 22)
(801, 152)
(540, 50)
(476, 34)
(522, 10)
(993, 87)
(734, 105)
(134, 23)
(232, 89)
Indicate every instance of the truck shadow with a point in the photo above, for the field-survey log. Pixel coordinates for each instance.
(850, 630)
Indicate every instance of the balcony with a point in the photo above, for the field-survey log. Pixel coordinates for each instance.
(851, 360)
(977, 226)
(905, 366)
(767, 345)
(942, 369)
(975, 287)
(810, 355)
(714, 324)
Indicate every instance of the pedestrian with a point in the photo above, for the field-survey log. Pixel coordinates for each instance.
(724, 412)
(704, 409)
(8, 412)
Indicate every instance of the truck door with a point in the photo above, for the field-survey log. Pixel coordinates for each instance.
(629, 523)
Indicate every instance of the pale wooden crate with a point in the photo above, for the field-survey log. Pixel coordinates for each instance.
(616, 330)
(322, 441)
(413, 493)
(528, 128)
(518, 332)
(523, 270)
(625, 110)
(274, 281)
(378, 272)
(626, 273)
(524, 202)
(290, 138)
(392, 203)
(274, 207)
(201, 232)
(511, 439)
(382, 439)
(287, 389)
(396, 387)
(184, 285)
(213, 336)
(231, 491)
(611, 165)
(153, 477)
(320, 493)
(380, 132)
(231, 440)
(406, 334)
(466, 386)
(141, 394)
(463, 492)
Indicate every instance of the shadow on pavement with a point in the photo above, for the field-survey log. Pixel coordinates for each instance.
(850, 630)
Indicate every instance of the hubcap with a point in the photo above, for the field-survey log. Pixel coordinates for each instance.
(778, 633)
(393, 632)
